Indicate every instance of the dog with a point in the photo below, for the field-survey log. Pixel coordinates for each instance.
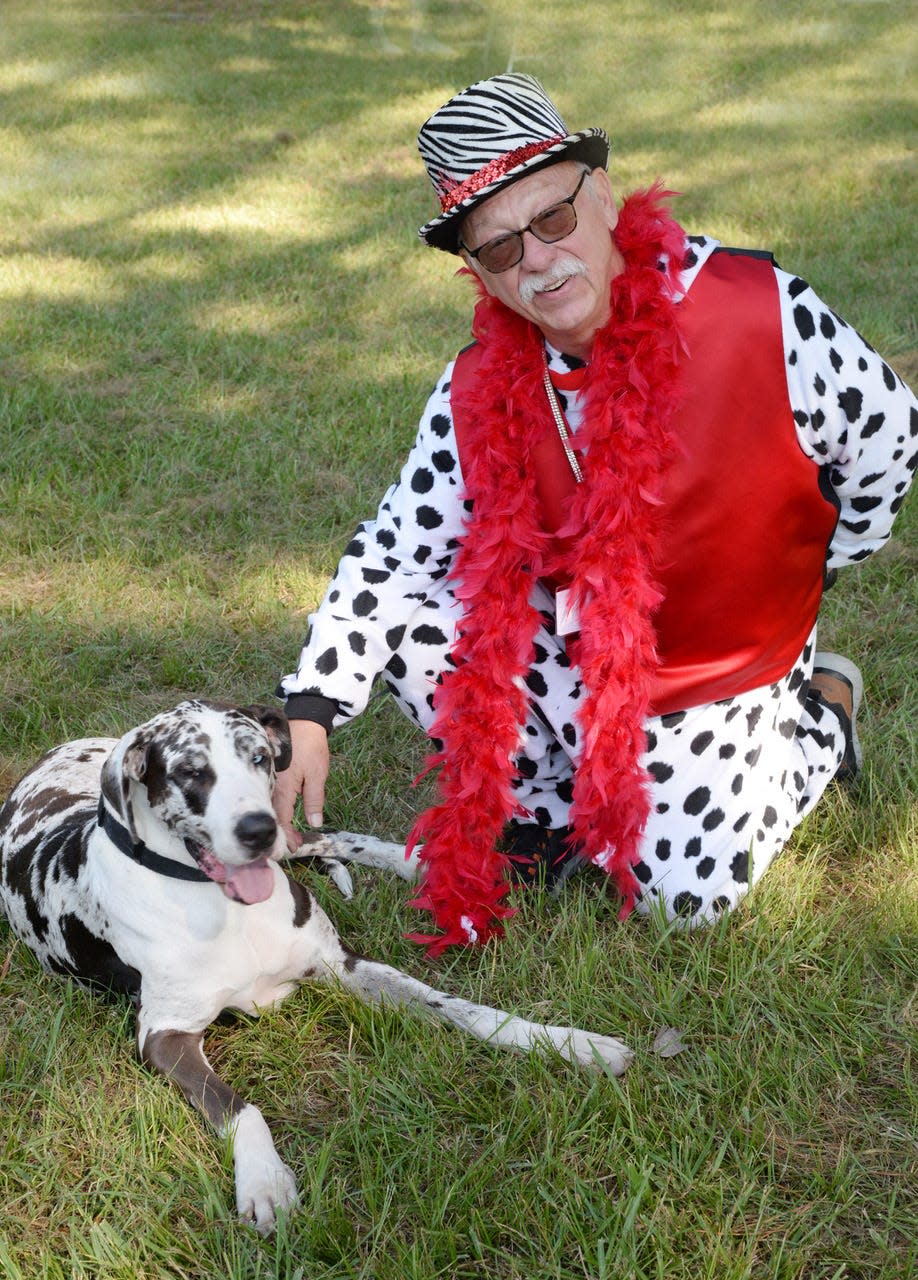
(148, 866)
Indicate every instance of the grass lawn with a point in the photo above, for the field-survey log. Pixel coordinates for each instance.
(217, 331)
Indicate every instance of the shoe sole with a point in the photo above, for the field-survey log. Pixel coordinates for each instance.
(836, 664)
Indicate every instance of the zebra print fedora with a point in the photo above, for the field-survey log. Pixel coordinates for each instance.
(488, 136)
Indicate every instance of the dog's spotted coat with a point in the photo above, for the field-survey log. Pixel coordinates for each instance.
(731, 779)
(168, 891)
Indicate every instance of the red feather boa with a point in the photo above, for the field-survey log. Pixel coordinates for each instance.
(630, 394)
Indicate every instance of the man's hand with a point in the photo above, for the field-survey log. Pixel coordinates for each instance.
(305, 777)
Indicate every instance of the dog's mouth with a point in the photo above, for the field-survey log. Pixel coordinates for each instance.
(251, 883)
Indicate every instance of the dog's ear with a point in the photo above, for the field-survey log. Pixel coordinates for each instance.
(275, 725)
(135, 759)
(127, 763)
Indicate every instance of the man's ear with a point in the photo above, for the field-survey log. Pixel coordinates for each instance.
(601, 187)
(472, 266)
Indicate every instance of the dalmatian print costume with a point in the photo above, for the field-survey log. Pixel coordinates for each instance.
(731, 779)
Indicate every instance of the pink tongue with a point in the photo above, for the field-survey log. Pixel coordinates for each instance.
(251, 883)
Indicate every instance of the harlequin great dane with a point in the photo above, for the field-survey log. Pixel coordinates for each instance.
(149, 866)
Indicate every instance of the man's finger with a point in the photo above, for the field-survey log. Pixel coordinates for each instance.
(284, 801)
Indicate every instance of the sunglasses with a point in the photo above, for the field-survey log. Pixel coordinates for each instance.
(553, 223)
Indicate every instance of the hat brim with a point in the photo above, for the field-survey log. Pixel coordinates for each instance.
(591, 146)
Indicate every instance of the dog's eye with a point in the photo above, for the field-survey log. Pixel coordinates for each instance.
(259, 759)
(188, 773)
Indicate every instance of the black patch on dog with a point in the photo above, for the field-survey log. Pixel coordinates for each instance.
(61, 857)
(191, 774)
(95, 962)
(27, 870)
(155, 778)
(46, 803)
(302, 903)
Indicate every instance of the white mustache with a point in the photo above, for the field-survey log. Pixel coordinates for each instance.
(565, 269)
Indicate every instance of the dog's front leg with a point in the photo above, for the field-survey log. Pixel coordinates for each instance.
(366, 851)
(264, 1184)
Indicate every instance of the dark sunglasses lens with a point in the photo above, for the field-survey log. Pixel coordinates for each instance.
(501, 254)
(555, 223)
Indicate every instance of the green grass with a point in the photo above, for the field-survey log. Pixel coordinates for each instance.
(217, 330)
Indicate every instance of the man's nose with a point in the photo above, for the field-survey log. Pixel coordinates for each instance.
(537, 255)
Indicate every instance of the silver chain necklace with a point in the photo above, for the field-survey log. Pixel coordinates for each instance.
(559, 421)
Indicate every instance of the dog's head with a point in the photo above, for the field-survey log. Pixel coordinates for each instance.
(201, 775)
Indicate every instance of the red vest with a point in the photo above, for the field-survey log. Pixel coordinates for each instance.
(742, 558)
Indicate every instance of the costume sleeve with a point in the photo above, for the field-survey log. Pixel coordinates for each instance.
(387, 570)
(855, 417)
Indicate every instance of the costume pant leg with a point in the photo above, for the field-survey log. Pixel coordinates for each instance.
(730, 780)
(729, 783)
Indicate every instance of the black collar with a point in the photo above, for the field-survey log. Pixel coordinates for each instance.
(138, 852)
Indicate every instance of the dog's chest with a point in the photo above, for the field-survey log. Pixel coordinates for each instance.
(223, 955)
(261, 963)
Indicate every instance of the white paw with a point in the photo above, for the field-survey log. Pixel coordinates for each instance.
(265, 1186)
(590, 1050)
(262, 1195)
(340, 876)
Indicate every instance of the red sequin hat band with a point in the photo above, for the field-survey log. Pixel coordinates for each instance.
(494, 170)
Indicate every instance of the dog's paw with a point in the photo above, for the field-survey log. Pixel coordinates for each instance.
(265, 1195)
(340, 876)
(324, 864)
(587, 1049)
(265, 1186)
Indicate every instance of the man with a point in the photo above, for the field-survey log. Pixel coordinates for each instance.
(595, 584)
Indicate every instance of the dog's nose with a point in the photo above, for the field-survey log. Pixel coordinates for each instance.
(257, 831)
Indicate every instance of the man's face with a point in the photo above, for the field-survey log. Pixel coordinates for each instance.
(562, 287)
